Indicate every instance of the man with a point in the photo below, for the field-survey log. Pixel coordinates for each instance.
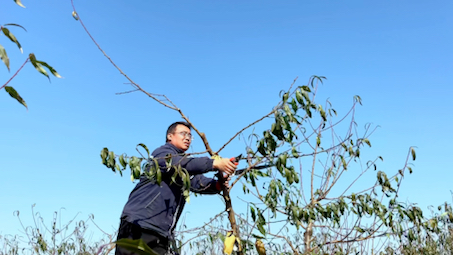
(152, 210)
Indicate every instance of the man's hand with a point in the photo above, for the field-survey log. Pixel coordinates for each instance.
(224, 165)
(226, 183)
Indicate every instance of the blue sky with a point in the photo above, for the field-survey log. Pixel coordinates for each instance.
(223, 63)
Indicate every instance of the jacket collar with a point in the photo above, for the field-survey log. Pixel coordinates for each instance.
(179, 151)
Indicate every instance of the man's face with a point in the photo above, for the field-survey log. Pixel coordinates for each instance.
(181, 138)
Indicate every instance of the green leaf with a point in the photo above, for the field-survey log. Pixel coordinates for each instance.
(285, 97)
(294, 152)
(4, 56)
(283, 158)
(12, 38)
(343, 162)
(367, 141)
(158, 176)
(305, 95)
(323, 113)
(261, 229)
(19, 3)
(16, 25)
(123, 162)
(136, 172)
(104, 154)
(287, 110)
(319, 78)
(332, 110)
(299, 97)
(410, 169)
(144, 147)
(37, 65)
(308, 112)
(293, 105)
(136, 246)
(306, 88)
(252, 212)
(50, 68)
(413, 153)
(358, 99)
(262, 148)
(173, 177)
(111, 162)
(133, 162)
(186, 196)
(13, 93)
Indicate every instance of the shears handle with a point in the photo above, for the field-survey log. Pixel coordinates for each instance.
(234, 160)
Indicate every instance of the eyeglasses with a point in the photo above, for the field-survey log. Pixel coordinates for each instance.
(185, 134)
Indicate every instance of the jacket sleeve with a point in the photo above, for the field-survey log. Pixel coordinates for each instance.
(193, 166)
(203, 185)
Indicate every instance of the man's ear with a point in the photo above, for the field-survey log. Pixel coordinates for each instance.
(169, 136)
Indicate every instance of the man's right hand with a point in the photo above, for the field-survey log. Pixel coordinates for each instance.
(224, 165)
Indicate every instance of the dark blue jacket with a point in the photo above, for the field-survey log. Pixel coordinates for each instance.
(158, 208)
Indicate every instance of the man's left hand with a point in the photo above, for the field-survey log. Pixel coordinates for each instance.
(226, 182)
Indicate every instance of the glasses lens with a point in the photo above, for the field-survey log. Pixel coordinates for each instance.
(185, 134)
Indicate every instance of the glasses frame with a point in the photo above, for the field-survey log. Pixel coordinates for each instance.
(185, 134)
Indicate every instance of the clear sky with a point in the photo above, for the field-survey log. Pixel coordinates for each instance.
(223, 63)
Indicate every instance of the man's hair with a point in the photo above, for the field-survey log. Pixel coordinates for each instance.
(172, 128)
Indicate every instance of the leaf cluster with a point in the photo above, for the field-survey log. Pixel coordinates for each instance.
(310, 210)
(39, 65)
(148, 167)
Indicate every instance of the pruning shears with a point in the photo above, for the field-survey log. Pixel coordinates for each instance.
(235, 160)
(240, 171)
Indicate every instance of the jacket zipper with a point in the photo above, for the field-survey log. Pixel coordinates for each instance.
(174, 218)
(152, 200)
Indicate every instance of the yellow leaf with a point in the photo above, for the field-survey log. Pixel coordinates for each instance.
(229, 243)
(260, 247)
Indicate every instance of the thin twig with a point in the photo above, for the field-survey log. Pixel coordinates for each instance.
(253, 123)
(17, 72)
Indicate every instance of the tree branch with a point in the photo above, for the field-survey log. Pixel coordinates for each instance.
(17, 72)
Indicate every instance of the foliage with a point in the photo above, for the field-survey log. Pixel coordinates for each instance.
(150, 167)
(304, 201)
(40, 66)
(308, 199)
(435, 238)
(54, 238)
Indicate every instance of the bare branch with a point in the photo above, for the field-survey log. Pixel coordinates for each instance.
(15, 74)
(253, 123)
